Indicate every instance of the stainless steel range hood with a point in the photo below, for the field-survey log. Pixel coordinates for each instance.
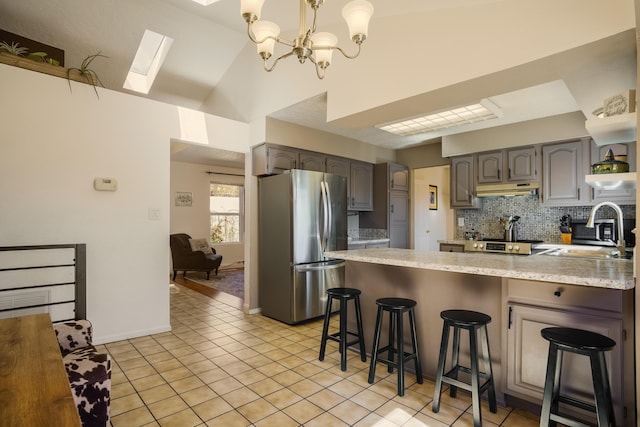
(495, 190)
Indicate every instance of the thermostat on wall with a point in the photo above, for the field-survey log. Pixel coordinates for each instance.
(105, 184)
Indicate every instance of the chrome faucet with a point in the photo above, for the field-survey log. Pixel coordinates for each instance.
(592, 216)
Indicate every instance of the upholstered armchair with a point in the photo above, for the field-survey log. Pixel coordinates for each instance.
(89, 372)
(185, 258)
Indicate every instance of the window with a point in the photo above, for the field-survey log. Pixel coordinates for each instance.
(227, 209)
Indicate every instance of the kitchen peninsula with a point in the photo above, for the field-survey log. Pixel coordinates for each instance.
(522, 294)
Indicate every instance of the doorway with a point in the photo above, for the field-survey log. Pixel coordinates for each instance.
(433, 219)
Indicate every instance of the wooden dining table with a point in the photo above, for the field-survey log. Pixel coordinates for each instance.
(34, 387)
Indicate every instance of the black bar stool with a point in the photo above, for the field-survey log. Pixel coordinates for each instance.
(472, 321)
(585, 343)
(396, 308)
(343, 295)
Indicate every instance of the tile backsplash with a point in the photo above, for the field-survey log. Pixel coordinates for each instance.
(536, 222)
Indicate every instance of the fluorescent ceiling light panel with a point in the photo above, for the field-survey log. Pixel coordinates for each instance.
(151, 53)
(484, 110)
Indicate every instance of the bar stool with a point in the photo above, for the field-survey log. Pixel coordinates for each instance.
(585, 343)
(343, 295)
(473, 322)
(396, 308)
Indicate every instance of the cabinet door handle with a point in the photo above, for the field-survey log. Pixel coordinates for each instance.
(557, 294)
(499, 179)
(578, 194)
(391, 208)
(510, 319)
(509, 173)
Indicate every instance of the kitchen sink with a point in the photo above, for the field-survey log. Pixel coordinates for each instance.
(581, 251)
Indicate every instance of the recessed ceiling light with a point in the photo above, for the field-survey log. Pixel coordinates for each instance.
(484, 110)
(206, 2)
(151, 53)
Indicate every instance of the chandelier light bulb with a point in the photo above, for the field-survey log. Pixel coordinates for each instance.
(251, 9)
(323, 44)
(265, 33)
(357, 13)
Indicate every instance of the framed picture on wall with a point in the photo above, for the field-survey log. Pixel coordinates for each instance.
(184, 198)
(433, 198)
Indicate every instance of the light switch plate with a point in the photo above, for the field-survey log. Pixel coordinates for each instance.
(460, 221)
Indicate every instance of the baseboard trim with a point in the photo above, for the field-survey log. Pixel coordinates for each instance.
(129, 335)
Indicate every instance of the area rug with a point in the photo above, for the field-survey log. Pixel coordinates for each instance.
(229, 281)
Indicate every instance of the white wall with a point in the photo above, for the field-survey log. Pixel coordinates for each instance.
(195, 220)
(429, 226)
(54, 143)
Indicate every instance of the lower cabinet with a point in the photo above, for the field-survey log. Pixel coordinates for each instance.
(533, 306)
(451, 247)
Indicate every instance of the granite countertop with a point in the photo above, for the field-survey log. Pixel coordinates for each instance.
(612, 274)
(364, 240)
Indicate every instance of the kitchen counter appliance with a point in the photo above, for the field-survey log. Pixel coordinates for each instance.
(501, 246)
(604, 232)
(301, 215)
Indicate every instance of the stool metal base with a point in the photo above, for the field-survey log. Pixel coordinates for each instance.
(343, 295)
(473, 322)
(395, 348)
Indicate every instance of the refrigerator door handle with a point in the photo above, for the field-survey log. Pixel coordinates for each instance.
(320, 267)
(325, 231)
(329, 231)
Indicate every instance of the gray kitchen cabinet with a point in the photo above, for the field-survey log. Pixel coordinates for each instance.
(564, 166)
(509, 165)
(398, 177)
(533, 306)
(451, 247)
(390, 205)
(622, 195)
(399, 219)
(490, 167)
(270, 159)
(360, 187)
(311, 161)
(337, 166)
(463, 182)
(522, 164)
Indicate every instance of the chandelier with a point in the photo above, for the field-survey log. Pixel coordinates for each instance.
(317, 47)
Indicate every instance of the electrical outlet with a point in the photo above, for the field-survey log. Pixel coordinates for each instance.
(461, 221)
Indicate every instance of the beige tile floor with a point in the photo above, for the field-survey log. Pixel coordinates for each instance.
(221, 367)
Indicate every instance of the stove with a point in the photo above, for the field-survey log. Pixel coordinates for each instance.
(500, 246)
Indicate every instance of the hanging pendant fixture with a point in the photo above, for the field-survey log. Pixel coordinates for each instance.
(317, 47)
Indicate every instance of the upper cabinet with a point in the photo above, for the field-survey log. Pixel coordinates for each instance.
(398, 177)
(462, 182)
(522, 164)
(510, 165)
(490, 167)
(360, 186)
(563, 169)
(271, 159)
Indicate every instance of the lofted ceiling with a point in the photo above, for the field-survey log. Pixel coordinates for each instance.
(208, 39)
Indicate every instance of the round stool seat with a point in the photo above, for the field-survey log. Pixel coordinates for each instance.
(578, 339)
(466, 317)
(343, 292)
(396, 303)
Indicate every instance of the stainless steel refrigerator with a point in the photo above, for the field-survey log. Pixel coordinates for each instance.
(301, 215)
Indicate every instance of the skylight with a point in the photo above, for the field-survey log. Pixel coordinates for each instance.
(206, 2)
(151, 53)
(485, 110)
